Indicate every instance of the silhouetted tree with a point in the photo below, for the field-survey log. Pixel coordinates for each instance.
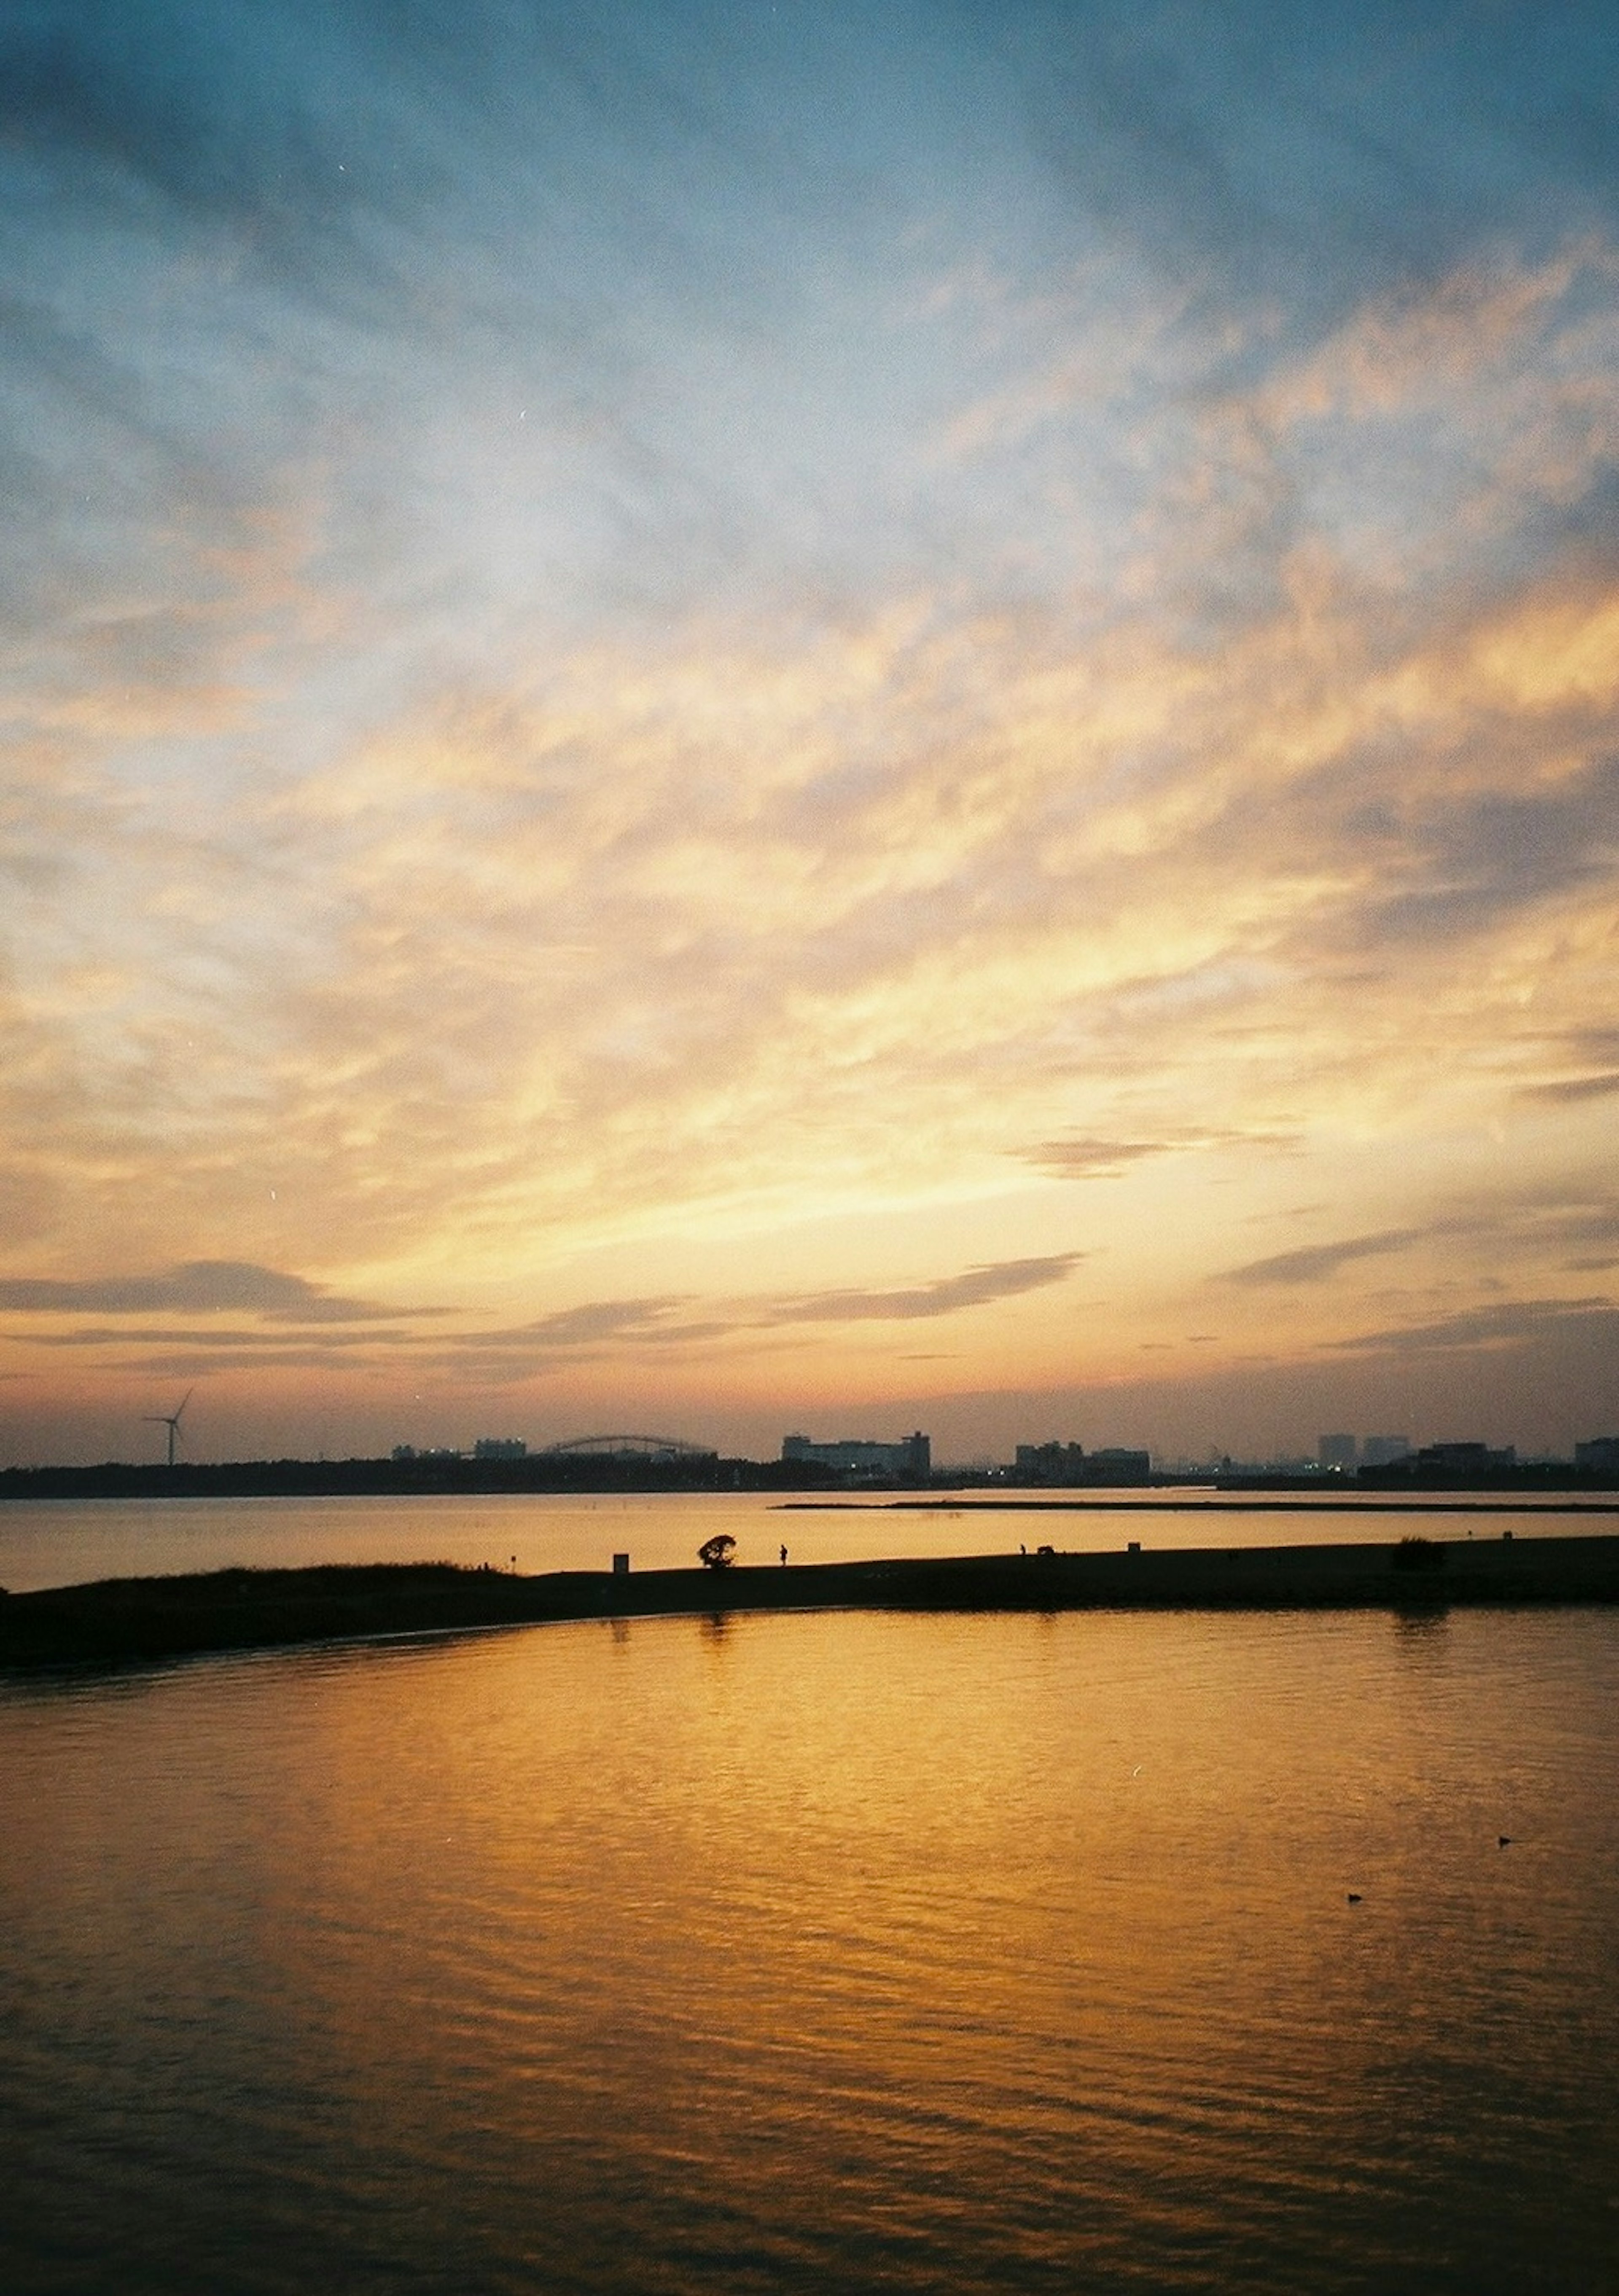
(717, 1554)
(1414, 1554)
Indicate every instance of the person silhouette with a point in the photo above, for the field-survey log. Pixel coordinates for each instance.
(784, 1558)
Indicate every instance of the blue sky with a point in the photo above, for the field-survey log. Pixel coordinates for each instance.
(734, 717)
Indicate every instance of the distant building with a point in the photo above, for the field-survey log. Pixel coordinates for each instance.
(1054, 1466)
(1599, 1456)
(1063, 1466)
(1380, 1450)
(1437, 1464)
(500, 1447)
(1112, 1465)
(856, 1461)
(1335, 1453)
(1464, 1458)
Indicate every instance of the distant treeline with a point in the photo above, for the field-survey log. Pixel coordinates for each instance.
(406, 1478)
(444, 1475)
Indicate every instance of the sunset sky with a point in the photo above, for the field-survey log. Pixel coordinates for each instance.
(724, 718)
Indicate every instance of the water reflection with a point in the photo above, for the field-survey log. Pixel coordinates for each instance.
(1420, 1628)
(986, 1953)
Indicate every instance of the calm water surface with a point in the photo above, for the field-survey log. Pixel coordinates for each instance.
(54, 1543)
(832, 1951)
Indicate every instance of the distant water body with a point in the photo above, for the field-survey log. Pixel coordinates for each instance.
(836, 1951)
(61, 1542)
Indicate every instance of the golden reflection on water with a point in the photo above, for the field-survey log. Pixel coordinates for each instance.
(839, 1950)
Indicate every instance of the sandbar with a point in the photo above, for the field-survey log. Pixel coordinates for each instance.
(125, 1621)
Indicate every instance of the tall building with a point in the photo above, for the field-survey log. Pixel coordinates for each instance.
(1335, 1453)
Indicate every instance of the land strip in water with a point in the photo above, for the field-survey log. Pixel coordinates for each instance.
(1078, 1503)
(124, 1621)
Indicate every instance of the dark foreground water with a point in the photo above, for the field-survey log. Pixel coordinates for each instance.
(823, 1952)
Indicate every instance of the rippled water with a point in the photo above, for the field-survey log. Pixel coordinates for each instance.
(829, 1951)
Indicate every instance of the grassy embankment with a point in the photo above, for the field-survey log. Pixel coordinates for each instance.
(130, 1620)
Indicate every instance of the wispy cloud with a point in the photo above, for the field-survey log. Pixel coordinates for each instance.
(1568, 1091)
(668, 1322)
(205, 1286)
(1501, 1324)
(1318, 1263)
(977, 1287)
(1500, 1232)
(1091, 1159)
(1107, 1160)
(586, 1325)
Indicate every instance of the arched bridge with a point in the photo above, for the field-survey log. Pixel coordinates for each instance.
(626, 1447)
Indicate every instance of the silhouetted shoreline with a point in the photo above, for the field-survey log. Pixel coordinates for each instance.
(123, 1621)
(573, 1474)
(428, 1475)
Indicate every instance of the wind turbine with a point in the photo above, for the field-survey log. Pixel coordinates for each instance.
(169, 1419)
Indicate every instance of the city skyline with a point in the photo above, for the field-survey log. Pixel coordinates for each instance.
(809, 718)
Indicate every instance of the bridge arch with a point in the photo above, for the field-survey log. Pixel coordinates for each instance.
(626, 1447)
